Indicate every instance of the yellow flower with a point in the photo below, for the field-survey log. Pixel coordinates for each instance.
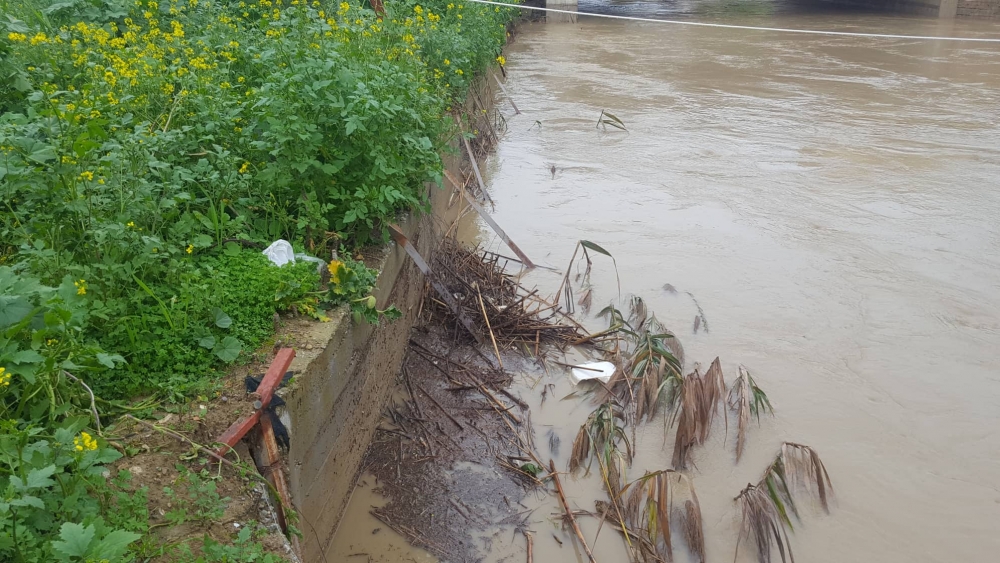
(4, 378)
(501, 60)
(130, 224)
(335, 267)
(81, 287)
(417, 9)
(189, 249)
(86, 175)
(447, 62)
(39, 38)
(17, 37)
(244, 168)
(459, 71)
(84, 442)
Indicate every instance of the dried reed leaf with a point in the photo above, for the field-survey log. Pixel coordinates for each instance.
(699, 403)
(747, 400)
(649, 504)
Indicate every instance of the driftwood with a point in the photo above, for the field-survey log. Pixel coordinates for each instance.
(569, 513)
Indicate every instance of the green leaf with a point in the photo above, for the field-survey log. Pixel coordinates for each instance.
(231, 249)
(107, 455)
(222, 320)
(113, 546)
(13, 308)
(28, 500)
(26, 357)
(594, 247)
(75, 539)
(228, 350)
(106, 360)
(202, 241)
(207, 342)
(38, 478)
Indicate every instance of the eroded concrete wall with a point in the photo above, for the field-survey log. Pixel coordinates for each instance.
(343, 382)
(978, 9)
(346, 371)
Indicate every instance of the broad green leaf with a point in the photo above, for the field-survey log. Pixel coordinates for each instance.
(202, 241)
(231, 249)
(13, 308)
(38, 478)
(107, 455)
(221, 319)
(74, 539)
(228, 350)
(26, 357)
(106, 360)
(207, 342)
(113, 545)
(28, 500)
(594, 247)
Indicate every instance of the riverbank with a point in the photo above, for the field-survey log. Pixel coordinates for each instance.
(149, 154)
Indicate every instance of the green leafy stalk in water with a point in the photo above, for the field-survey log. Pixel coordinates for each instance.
(766, 507)
(651, 502)
(603, 437)
(748, 400)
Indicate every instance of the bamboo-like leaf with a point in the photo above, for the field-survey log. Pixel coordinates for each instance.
(767, 506)
(651, 502)
(699, 402)
(602, 436)
(747, 400)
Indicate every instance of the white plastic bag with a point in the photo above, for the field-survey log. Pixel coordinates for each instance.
(280, 252)
(596, 370)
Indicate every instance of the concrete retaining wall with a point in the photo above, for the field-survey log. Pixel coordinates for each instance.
(978, 9)
(344, 378)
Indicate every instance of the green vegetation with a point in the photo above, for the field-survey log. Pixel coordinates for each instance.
(148, 151)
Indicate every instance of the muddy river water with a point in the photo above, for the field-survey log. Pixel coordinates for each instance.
(833, 206)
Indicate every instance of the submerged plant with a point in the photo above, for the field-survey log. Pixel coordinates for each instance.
(701, 396)
(566, 288)
(607, 118)
(603, 437)
(651, 377)
(748, 400)
(766, 506)
(653, 503)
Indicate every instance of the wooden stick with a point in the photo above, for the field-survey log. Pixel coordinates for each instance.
(486, 318)
(438, 405)
(569, 513)
(517, 112)
(531, 542)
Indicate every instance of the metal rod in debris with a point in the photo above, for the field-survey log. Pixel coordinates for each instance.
(486, 217)
(442, 291)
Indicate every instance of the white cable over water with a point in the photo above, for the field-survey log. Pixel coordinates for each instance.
(746, 27)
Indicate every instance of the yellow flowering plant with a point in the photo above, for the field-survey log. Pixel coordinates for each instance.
(212, 125)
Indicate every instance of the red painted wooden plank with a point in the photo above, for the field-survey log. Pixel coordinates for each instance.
(265, 391)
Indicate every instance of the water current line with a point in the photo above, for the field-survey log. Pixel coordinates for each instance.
(746, 27)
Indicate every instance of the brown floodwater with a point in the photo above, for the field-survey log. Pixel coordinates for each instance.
(832, 204)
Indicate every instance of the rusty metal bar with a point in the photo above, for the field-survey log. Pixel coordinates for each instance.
(275, 476)
(269, 383)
